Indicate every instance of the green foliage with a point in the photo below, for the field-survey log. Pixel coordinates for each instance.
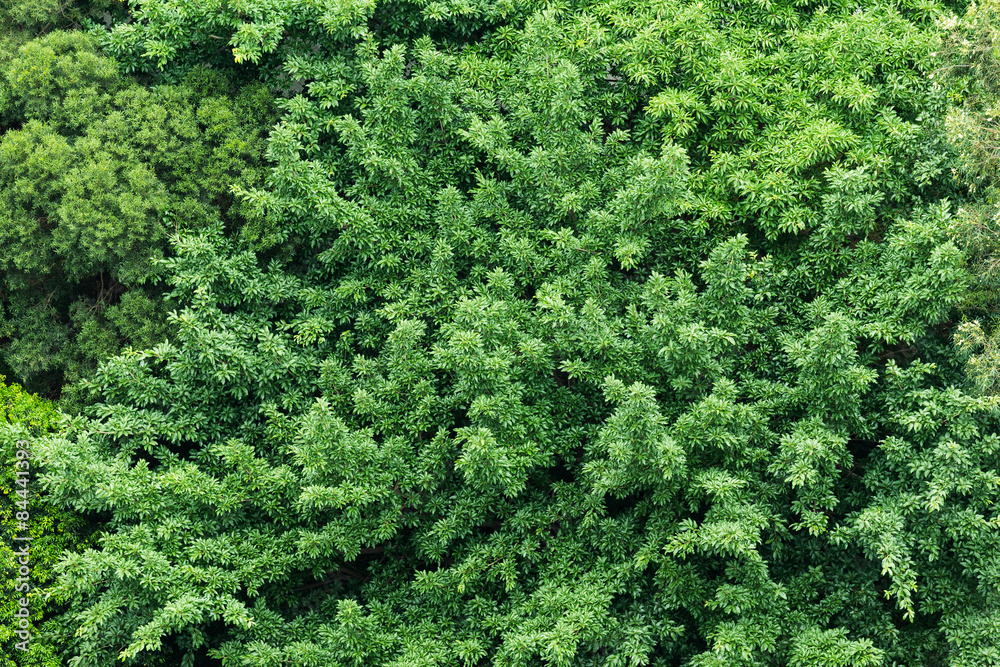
(52, 531)
(96, 173)
(58, 77)
(612, 334)
(27, 18)
(972, 72)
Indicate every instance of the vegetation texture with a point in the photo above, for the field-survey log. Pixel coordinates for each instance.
(592, 333)
(52, 530)
(94, 174)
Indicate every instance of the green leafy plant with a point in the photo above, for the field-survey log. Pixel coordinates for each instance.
(96, 172)
(51, 532)
(612, 334)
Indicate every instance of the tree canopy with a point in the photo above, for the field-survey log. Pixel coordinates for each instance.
(555, 334)
(972, 68)
(95, 172)
(51, 530)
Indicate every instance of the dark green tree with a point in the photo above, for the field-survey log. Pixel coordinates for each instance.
(95, 173)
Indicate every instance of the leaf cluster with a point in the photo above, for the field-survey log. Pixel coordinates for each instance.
(612, 333)
(96, 173)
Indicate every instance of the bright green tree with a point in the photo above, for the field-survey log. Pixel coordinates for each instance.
(605, 333)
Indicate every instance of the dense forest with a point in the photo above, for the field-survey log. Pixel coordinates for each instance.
(498, 332)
